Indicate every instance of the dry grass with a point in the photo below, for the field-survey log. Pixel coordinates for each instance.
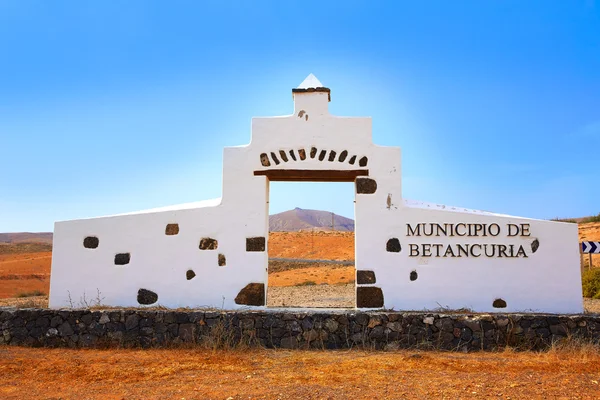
(590, 232)
(19, 248)
(25, 302)
(200, 374)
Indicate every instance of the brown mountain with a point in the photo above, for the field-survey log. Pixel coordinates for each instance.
(299, 219)
(26, 237)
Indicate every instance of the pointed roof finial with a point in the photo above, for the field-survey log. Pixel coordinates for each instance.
(312, 84)
(311, 81)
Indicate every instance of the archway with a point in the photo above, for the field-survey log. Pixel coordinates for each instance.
(311, 248)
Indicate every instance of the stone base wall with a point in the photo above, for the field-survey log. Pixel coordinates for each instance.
(322, 330)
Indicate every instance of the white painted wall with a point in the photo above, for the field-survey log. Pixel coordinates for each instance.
(547, 281)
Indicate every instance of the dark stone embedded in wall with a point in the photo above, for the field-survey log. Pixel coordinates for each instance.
(275, 159)
(343, 156)
(146, 297)
(222, 261)
(283, 155)
(322, 155)
(172, 229)
(208, 244)
(332, 155)
(352, 160)
(264, 160)
(302, 154)
(381, 330)
(535, 245)
(91, 242)
(369, 297)
(253, 294)
(255, 243)
(292, 155)
(393, 245)
(365, 277)
(313, 152)
(366, 185)
(122, 258)
(363, 162)
(499, 303)
(413, 275)
(190, 274)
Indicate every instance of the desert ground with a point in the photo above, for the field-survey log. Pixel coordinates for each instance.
(280, 374)
(24, 273)
(590, 232)
(311, 284)
(198, 373)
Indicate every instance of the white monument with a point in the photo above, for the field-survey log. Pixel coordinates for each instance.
(409, 255)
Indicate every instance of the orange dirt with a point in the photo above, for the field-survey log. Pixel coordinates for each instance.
(324, 245)
(24, 272)
(315, 246)
(327, 274)
(279, 374)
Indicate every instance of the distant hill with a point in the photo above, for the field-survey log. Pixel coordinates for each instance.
(26, 237)
(299, 219)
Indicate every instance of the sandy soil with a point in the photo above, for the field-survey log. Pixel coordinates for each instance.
(25, 302)
(314, 296)
(24, 272)
(279, 374)
(590, 232)
(318, 274)
(311, 284)
(315, 246)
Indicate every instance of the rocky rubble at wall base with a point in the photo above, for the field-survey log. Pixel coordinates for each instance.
(274, 329)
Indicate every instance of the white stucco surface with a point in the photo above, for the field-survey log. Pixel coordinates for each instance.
(547, 280)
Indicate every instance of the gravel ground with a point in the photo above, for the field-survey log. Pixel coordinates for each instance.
(25, 302)
(313, 296)
(591, 306)
(337, 296)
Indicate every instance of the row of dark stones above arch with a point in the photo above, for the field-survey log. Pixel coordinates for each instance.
(265, 160)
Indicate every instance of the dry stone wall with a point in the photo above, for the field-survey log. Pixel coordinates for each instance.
(323, 330)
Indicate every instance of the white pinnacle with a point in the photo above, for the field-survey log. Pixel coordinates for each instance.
(311, 81)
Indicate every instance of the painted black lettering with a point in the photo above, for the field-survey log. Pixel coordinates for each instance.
(521, 252)
(464, 250)
(449, 252)
(513, 230)
(502, 251)
(472, 248)
(439, 228)
(426, 250)
(496, 228)
(414, 250)
(413, 232)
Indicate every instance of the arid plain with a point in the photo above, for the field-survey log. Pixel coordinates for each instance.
(565, 371)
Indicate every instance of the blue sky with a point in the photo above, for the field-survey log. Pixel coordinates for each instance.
(109, 107)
